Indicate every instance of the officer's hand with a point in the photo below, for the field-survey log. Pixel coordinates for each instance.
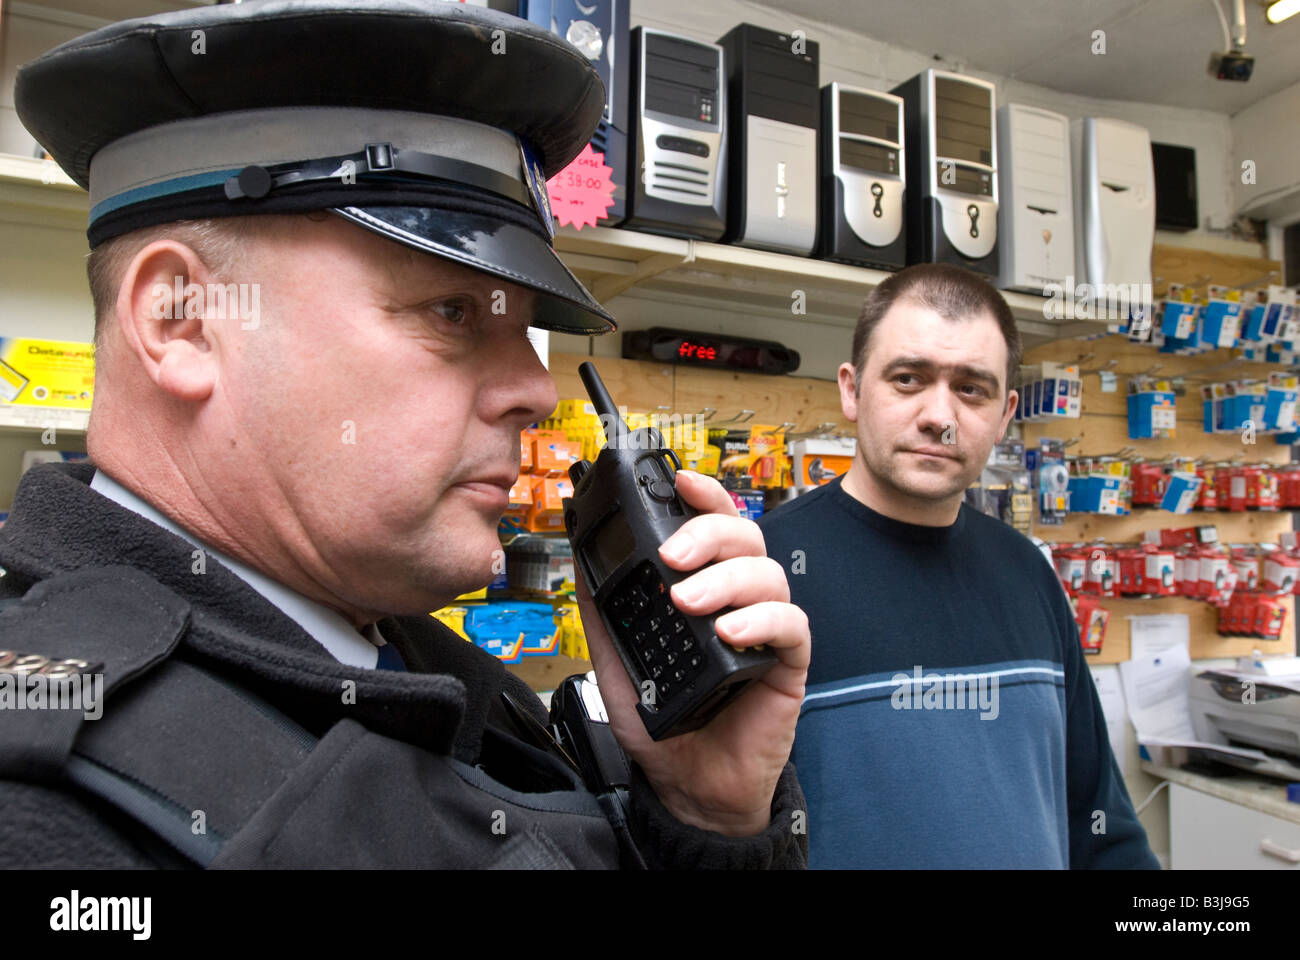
(721, 777)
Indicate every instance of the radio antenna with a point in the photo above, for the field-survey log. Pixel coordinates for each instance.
(610, 421)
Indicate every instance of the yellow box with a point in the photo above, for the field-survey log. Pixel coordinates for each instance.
(453, 618)
(47, 373)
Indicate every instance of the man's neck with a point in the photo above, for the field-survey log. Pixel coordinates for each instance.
(863, 487)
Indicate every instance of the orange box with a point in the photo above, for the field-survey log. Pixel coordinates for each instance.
(526, 439)
(521, 497)
(553, 452)
(546, 512)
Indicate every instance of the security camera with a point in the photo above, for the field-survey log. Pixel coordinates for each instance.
(1233, 65)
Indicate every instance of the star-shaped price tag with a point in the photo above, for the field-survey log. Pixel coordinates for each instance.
(582, 193)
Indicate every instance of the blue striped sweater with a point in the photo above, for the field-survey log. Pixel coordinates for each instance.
(950, 719)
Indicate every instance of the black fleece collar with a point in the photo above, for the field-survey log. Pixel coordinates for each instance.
(58, 524)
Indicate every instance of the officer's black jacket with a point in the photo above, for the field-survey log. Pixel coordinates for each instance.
(447, 706)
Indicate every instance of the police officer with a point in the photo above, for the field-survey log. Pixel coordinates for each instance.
(319, 231)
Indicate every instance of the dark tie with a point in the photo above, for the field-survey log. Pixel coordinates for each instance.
(389, 658)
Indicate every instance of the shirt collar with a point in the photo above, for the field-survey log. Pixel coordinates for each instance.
(325, 626)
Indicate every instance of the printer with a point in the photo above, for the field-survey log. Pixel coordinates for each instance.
(1256, 706)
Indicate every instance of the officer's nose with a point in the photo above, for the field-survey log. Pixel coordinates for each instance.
(522, 390)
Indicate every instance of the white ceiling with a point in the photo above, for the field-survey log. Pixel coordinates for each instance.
(1157, 51)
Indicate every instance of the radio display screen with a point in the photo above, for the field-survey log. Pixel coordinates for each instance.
(609, 546)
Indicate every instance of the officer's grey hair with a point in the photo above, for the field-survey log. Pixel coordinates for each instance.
(218, 242)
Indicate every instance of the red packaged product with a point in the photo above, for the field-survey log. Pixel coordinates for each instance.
(1157, 572)
(1102, 571)
(1207, 499)
(1092, 619)
(1149, 481)
(1232, 481)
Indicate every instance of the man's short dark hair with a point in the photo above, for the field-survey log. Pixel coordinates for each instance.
(952, 292)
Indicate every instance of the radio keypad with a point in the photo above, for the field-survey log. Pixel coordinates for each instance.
(654, 632)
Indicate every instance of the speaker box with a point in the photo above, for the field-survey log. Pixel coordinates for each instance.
(773, 97)
(1175, 172)
(862, 188)
(601, 30)
(1036, 207)
(952, 159)
(677, 178)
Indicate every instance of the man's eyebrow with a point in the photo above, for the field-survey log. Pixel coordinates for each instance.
(969, 371)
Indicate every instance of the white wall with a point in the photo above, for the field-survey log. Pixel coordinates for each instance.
(1269, 133)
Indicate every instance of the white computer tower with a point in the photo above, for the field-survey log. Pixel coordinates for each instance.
(1115, 206)
(1036, 208)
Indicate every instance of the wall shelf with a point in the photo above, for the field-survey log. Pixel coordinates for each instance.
(612, 262)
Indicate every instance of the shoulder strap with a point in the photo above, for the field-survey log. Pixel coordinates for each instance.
(190, 756)
(72, 642)
(92, 696)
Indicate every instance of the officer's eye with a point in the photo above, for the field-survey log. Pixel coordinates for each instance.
(457, 311)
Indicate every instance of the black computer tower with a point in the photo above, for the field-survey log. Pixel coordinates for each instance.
(952, 184)
(863, 185)
(601, 30)
(677, 183)
(774, 105)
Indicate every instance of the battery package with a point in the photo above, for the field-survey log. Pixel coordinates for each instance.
(819, 460)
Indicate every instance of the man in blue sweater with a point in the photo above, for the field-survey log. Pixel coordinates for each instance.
(950, 719)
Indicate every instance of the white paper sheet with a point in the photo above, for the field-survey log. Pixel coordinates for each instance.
(1151, 633)
(1155, 690)
(1111, 693)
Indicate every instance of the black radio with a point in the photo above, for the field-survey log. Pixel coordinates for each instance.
(623, 507)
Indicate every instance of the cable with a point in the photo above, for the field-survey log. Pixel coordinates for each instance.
(1163, 783)
(1239, 24)
(1223, 22)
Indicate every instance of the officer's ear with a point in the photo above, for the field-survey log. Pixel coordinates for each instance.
(163, 315)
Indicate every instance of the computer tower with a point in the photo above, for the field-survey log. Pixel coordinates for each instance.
(773, 97)
(677, 174)
(1036, 207)
(1115, 208)
(862, 188)
(952, 159)
(600, 30)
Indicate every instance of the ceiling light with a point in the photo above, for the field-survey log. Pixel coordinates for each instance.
(1279, 11)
